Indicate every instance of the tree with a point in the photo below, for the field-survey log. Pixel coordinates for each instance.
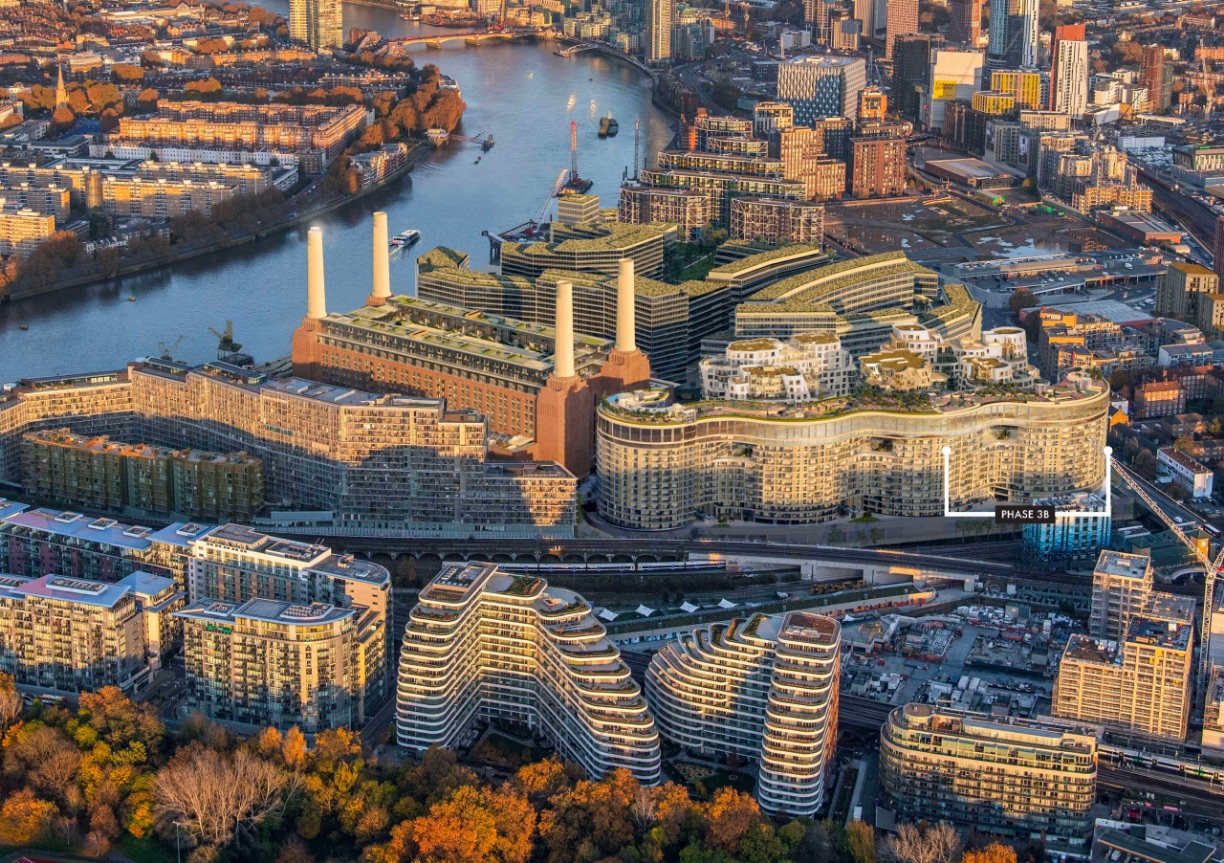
(219, 798)
(147, 100)
(995, 852)
(11, 702)
(1185, 443)
(475, 826)
(1021, 298)
(293, 749)
(46, 760)
(24, 818)
(936, 843)
(126, 73)
(860, 843)
(727, 818)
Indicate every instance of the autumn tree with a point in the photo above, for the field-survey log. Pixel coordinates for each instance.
(11, 702)
(476, 826)
(24, 818)
(126, 73)
(995, 852)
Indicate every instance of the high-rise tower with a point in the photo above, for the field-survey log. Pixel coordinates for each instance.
(1069, 70)
(318, 23)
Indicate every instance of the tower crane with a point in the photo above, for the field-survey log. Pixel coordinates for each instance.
(1212, 568)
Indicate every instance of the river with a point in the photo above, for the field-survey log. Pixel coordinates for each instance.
(524, 94)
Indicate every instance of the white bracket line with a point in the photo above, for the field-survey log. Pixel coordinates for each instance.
(1081, 513)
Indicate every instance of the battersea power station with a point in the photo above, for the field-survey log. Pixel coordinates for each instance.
(538, 386)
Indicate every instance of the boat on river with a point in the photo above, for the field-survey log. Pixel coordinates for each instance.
(404, 239)
(608, 127)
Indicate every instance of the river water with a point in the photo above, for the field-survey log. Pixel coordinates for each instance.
(524, 94)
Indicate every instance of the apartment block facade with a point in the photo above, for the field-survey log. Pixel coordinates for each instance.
(98, 473)
(764, 688)
(334, 458)
(1008, 777)
(660, 463)
(483, 644)
(1138, 684)
(70, 635)
(269, 663)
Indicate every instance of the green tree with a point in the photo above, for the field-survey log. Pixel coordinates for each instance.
(860, 842)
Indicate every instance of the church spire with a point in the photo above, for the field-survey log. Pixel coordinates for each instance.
(61, 92)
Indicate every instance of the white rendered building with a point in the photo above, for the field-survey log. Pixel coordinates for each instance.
(763, 688)
(486, 644)
(807, 366)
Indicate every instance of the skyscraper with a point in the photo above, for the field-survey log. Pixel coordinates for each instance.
(1069, 70)
(1013, 34)
(902, 21)
(965, 27)
(318, 23)
(659, 14)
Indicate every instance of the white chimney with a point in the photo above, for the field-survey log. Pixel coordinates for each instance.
(626, 338)
(316, 301)
(563, 361)
(382, 260)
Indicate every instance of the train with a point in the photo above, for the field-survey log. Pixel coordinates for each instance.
(1196, 770)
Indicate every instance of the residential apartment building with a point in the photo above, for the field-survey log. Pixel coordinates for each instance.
(1138, 684)
(1003, 777)
(1183, 289)
(313, 135)
(334, 458)
(877, 163)
(318, 23)
(22, 229)
(1069, 70)
(901, 19)
(688, 210)
(275, 664)
(764, 688)
(775, 222)
(660, 15)
(1121, 587)
(49, 200)
(69, 635)
(1193, 477)
(660, 462)
(98, 473)
(808, 366)
(41, 541)
(486, 645)
(965, 26)
(236, 563)
(162, 199)
(589, 248)
(1153, 399)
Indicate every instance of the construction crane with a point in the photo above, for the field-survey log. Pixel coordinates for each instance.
(226, 346)
(166, 352)
(557, 186)
(1211, 567)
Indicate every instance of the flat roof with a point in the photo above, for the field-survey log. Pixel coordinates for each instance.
(1123, 565)
(66, 523)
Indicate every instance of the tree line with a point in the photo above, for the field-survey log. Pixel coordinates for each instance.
(111, 774)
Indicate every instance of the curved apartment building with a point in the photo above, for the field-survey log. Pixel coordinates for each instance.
(486, 644)
(659, 462)
(764, 688)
